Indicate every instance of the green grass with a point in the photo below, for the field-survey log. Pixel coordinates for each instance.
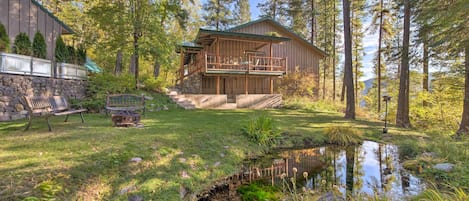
(90, 161)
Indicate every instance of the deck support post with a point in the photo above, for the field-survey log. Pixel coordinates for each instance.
(181, 69)
(246, 83)
(271, 85)
(218, 85)
(270, 55)
(217, 56)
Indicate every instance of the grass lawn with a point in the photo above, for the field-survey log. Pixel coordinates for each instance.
(91, 161)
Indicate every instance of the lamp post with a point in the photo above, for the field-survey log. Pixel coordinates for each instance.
(386, 99)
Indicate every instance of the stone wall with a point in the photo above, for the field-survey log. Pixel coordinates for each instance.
(192, 84)
(13, 87)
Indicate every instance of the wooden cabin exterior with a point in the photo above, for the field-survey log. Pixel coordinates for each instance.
(29, 16)
(244, 60)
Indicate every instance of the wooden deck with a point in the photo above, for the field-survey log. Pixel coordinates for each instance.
(254, 65)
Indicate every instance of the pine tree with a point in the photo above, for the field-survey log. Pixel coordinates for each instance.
(243, 14)
(22, 44)
(402, 116)
(348, 72)
(274, 9)
(218, 14)
(357, 41)
(296, 15)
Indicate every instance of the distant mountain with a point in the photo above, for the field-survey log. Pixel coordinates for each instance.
(368, 84)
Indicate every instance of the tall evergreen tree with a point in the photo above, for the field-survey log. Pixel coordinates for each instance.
(402, 116)
(275, 9)
(348, 72)
(243, 13)
(358, 14)
(296, 14)
(218, 14)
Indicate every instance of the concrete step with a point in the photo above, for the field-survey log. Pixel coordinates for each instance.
(227, 106)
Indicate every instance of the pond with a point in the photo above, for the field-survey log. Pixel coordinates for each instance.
(370, 168)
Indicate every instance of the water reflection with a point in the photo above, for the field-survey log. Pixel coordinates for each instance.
(369, 168)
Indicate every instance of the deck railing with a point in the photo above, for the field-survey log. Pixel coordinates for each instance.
(26, 65)
(248, 64)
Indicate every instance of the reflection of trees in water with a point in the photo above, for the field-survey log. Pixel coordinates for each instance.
(358, 170)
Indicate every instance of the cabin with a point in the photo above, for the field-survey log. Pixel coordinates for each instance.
(29, 16)
(244, 63)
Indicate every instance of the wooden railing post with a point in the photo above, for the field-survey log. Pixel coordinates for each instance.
(249, 63)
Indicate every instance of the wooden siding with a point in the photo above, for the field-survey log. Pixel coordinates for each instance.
(25, 16)
(297, 52)
(234, 85)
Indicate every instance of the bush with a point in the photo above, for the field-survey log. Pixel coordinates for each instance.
(72, 55)
(81, 56)
(61, 52)
(261, 130)
(102, 84)
(255, 191)
(408, 150)
(22, 45)
(153, 84)
(343, 135)
(296, 84)
(39, 46)
(4, 40)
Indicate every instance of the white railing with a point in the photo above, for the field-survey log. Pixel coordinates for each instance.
(26, 65)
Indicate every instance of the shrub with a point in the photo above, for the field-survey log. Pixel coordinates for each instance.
(72, 55)
(261, 130)
(255, 191)
(408, 149)
(102, 84)
(153, 84)
(343, 135)
(296, 84)
(39, 46)
(22, 45)
(61, 52)
(81, 56)
(4, 40)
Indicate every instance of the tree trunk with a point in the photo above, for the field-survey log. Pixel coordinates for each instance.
(136, 36)
(425, 70)
(350, 166)
(464, 126)
(156, 69)
(348, 74)
(402, 116)
(380, 38)
(132, 65)
(313, 22)
(118, 68)
(342, 93)
(333, 54)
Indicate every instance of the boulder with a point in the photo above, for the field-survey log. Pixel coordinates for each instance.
(447, 167)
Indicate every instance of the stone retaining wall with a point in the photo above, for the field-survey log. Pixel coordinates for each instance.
(13, 87)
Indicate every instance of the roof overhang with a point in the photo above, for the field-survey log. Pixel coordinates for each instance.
(207, 37)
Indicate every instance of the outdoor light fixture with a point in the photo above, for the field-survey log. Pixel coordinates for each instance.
(386, 99)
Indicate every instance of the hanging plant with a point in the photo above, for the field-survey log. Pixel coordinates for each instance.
(61, 52)
(4, 40)
(22, 45)
(39, 46)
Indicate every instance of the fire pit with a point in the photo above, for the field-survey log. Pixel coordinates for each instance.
(125, 118)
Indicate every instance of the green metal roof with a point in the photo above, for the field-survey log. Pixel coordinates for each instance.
(67, 28)
(241, 35)
(92, 66)
(268, 19)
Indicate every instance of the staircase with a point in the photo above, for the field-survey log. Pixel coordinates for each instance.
(180, 99)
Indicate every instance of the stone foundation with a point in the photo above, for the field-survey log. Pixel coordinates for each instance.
(14, 87)
(192, 84)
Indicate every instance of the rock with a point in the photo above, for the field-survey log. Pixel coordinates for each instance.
(127, 189)
(222, 155)
(136, 160)
(165, 107)
(447, 167)
(185, 175)
(218, 163)
(135, 198)
(182, 160)
(148, 98)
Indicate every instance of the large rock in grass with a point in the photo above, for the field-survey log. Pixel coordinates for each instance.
(447, 167)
